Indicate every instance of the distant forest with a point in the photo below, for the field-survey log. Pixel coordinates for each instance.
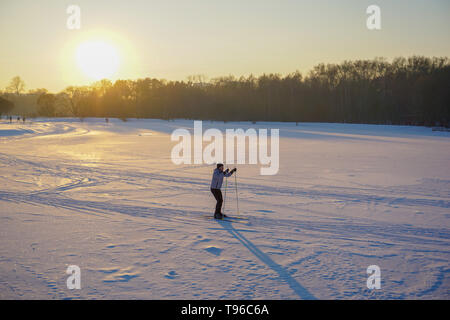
(408, 91)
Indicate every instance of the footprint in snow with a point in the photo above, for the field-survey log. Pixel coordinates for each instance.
(171, 275)
(214, 250)
(118, 275)
(120, 278)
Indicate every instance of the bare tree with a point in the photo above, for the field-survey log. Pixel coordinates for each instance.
(197, 79)
(16, 85)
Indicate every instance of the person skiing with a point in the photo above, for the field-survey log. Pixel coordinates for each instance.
(216, 184)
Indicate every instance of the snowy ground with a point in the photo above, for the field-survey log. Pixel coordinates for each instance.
(106, 197)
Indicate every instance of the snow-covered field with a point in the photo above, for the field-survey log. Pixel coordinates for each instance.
(107, 197)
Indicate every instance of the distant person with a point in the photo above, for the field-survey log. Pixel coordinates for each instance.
(216, 184)
(23, 119)
(10, 119)
(106, 120)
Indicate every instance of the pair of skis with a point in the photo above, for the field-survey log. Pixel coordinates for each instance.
(228, 219)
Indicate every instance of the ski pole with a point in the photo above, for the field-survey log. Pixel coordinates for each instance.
(237, 196)
(225, 197)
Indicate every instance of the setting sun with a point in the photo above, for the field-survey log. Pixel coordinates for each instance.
(97, 59)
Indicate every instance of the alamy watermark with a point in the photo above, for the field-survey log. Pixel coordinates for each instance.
(374, 20)
(374, 279)
(74, 280)
(74, 18)
(219, 152)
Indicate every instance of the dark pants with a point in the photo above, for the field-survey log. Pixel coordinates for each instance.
(218, 195)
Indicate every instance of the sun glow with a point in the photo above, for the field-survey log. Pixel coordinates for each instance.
(94, 55)
(97, 59)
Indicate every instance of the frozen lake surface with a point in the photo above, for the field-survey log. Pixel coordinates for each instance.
(108, 198)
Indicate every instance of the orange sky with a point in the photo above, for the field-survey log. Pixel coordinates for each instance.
(174, 39)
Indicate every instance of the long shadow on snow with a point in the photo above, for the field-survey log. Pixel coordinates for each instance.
(301, 291)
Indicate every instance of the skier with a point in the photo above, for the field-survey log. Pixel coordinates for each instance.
(216, 184)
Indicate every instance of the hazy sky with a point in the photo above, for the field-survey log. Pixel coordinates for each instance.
(173, 39)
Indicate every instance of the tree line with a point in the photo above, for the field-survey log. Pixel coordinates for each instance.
(410, 91)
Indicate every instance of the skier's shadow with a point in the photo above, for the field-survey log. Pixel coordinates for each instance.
(301, 291)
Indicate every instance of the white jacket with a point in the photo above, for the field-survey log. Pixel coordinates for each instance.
(217, 178)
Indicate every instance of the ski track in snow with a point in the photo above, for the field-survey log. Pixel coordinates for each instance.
(108, 198)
